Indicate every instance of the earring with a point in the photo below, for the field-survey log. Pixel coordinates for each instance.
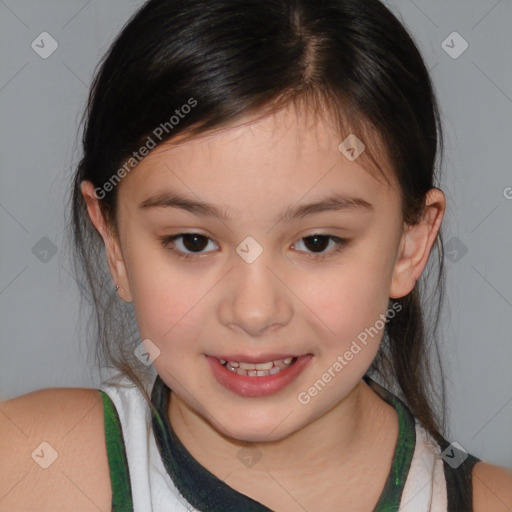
(117, 287)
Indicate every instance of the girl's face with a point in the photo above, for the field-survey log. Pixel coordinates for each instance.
(254, 285)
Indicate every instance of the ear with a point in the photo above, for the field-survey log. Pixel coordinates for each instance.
(415, 245)
(115, 258)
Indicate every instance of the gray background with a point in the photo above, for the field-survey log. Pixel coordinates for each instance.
(41, 100)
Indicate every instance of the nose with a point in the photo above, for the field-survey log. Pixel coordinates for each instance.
(256, 300)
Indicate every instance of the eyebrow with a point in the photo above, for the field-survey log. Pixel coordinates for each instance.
(333, 202)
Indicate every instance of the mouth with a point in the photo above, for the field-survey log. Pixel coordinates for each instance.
(251, 377)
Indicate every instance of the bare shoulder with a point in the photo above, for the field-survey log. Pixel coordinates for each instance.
(52, 452)
(492, 488)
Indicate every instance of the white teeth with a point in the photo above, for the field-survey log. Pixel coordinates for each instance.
(260, 366)
(264, 366)
(257, 369)
(256, 366)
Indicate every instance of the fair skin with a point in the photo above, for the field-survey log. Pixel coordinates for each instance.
(250, 169)
(188, 309)
(282, 302)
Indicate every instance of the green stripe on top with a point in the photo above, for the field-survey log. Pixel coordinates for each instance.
(391, 496)
(117, 462)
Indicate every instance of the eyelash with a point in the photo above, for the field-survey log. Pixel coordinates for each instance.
(341, 243)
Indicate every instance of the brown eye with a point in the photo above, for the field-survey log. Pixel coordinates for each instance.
(194, 242)
(193, 245)
(317, 244)
(186, 244)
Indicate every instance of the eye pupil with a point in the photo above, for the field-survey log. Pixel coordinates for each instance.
(198, 244)
(316, 245)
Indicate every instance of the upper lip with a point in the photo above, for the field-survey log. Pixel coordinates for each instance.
(254, 359)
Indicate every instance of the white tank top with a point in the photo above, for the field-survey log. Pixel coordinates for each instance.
(153, 489)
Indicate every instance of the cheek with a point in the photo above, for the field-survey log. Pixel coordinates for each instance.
(166, 299)
(351, 296)
(170, 313)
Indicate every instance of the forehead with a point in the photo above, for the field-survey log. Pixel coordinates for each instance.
(278, 158)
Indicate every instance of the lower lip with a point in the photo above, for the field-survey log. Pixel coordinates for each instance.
(257, 386)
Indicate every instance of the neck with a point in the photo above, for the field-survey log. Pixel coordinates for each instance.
(336, 440)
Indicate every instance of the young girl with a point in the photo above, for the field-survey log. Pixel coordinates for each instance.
(261, 176)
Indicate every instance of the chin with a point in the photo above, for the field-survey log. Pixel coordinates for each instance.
(251, 429)
(257, 436)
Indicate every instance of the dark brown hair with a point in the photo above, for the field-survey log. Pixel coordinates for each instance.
(351, 58)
